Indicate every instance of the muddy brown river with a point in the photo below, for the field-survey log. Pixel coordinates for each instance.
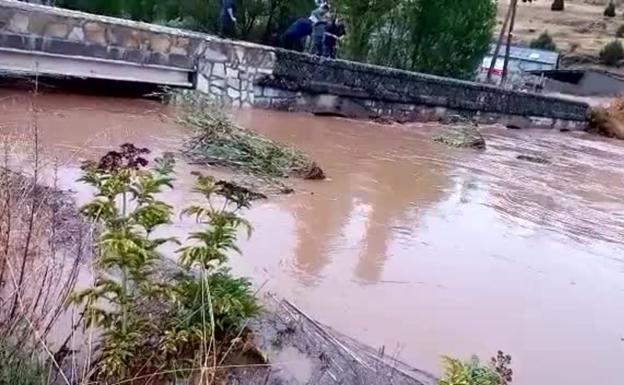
(409, 244)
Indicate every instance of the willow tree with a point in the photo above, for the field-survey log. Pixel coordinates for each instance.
(443, 37)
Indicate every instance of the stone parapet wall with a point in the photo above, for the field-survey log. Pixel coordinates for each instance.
(227, 69)
(379, 91)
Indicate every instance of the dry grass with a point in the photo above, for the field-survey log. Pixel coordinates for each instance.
(42, 244)
(581, 27)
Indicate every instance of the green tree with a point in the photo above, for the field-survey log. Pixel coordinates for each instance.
(443, 37)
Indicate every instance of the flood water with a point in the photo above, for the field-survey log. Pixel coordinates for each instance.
(421, 248)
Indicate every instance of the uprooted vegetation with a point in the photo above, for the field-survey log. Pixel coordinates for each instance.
(608, 121)
(459, 131)
(217, 140)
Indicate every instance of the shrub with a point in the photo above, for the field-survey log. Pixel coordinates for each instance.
(544, 41)
(471, 372)
(610, 10)
(557, 5)
(620, 31)
(612, 53)
(148, 323)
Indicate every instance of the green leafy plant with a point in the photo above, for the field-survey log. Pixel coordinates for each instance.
(612, 53)
(127, 210)
(212, 305)
(473, 372)
(150, 326)
(544, 41)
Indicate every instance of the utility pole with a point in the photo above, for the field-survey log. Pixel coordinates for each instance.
(499, 43)
(514, 7)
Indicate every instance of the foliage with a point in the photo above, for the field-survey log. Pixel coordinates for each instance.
(147, 323)
(17, 368)
(211, 303)
(544, 41)
(445, 37)
(126, 208)
(471, 372)
(609, 9)
(217, 140)
(501, 363)
(612, 53)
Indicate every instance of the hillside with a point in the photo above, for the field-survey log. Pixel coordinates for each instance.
(580, 31)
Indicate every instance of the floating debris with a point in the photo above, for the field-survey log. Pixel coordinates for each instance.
(533, 159)
(462, 132)
(217, 140)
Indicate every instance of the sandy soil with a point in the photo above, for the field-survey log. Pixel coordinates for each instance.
(580, 29)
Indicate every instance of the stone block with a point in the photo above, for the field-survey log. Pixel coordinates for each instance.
(218, 82)
(160, 43)
(218, 70)
(202, 85)
(126, 37)
(19, 23)
(214, 56)
(57, 30)
(76, 34)
(178, 50)
(95, 33)
(231, 73)
(233, 83)
(234, 93)
(181, 61)
(216, 91)
(204, 67)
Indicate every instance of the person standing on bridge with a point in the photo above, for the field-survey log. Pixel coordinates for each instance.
(333, 34)
(227, 20)
(319, 18)
(295, 35)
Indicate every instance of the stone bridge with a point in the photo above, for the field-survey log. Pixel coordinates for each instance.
(59, 42)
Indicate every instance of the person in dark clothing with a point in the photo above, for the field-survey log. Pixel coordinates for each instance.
(227, 21)
(294, 37)
(334, 31)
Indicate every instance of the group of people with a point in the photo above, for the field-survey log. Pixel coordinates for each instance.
(324, 28)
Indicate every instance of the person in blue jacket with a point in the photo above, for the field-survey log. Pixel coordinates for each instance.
(295, 35)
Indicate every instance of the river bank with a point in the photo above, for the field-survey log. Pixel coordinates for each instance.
(411, 245)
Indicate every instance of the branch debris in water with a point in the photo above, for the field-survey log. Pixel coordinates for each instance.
(218, 141)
